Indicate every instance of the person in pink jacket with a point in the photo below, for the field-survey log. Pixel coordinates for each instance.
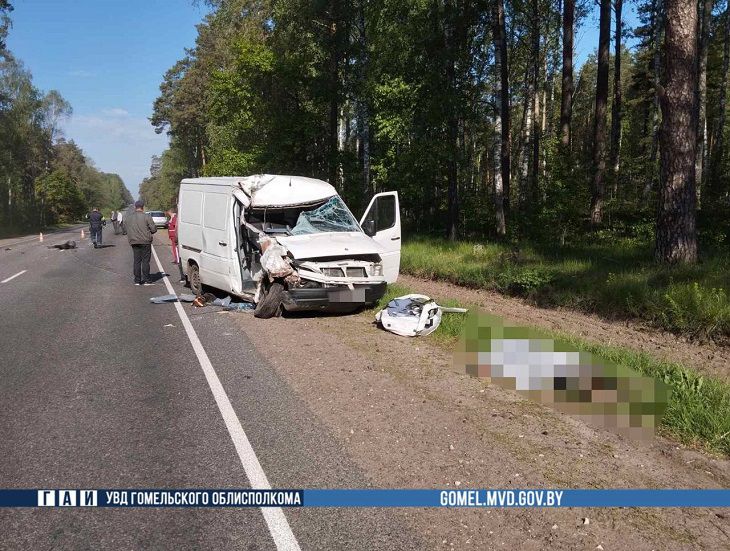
(172, 232)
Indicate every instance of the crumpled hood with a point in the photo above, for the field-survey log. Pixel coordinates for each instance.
(318, 245)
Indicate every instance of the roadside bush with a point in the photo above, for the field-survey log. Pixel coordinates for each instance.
(696, 311)
(522, 281)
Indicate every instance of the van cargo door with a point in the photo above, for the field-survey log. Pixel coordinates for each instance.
(216, 255)
(384, 213)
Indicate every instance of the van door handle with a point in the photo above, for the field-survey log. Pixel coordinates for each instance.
(394, 238)
(222, 243)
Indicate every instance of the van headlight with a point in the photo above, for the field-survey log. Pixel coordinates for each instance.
(377, 269)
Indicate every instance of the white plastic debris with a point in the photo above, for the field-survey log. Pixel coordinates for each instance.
(412, 315)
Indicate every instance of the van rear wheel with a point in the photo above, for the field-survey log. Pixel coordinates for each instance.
(269, 305)
(196, 286)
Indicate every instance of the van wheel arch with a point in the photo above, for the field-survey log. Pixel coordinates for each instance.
(196, 285)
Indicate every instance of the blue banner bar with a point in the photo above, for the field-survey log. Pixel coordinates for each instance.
(517, 498)
(243, 497)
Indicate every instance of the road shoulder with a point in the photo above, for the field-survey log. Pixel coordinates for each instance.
(408, 419)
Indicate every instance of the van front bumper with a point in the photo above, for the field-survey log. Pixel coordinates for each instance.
(335, 298)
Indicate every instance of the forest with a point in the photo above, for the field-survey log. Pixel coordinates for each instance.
(473, 110)
(44, 178)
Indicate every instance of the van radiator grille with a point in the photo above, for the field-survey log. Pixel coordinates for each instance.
(356, 272)
(332, 272)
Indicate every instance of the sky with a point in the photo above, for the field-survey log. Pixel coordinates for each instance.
(108, 57)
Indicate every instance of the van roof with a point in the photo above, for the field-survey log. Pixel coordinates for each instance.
(273, 190)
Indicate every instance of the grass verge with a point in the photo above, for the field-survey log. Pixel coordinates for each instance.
(698, 413)
(30, 231)
(612, 276)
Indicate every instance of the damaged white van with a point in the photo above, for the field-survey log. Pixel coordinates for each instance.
(287, 242)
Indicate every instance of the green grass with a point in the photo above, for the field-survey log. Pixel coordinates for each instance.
(7, 234)
(698, 413)
(614, 277)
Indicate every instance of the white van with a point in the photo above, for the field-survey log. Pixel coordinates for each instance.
(287, 242)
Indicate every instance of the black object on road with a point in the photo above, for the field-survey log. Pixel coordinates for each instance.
(64, 246)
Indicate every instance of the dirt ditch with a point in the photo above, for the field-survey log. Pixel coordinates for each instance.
(707, 358)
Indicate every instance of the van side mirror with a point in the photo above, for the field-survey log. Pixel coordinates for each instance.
(369, 228)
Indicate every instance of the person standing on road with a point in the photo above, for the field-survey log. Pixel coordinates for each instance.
(120, 219)
(115, 222)
(172, 232)
(139, 228)
(96, 222)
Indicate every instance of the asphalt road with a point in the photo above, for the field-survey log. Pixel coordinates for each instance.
(101, 389)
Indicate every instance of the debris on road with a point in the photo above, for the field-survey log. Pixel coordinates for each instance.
(172, 298)
(208, 299)
(240, 306)
(64, 246)
(413, 315)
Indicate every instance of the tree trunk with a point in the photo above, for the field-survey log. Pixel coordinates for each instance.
(501, 225)
(616, 108)
(363, 115)
(452, 124)
(719, 146)
(676, 236)
(658, 29)
(536, 120)
(365, 140)
(706, 8)
(527, 141)
(566, 103)
(334, 96)
(599, 126)
(500, 46)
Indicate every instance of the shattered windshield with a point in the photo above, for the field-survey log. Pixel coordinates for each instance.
(332, 216)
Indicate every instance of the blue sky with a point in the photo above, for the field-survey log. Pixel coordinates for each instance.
(107, 58)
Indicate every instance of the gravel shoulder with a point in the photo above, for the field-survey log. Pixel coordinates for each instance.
(409, 419)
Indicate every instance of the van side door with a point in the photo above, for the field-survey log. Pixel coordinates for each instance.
(189, 225)
(381, 221)
(216, 254)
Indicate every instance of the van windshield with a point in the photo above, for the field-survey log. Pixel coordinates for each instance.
(332, 216)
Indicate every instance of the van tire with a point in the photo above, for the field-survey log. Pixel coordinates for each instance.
(196, 286)
(269, 305)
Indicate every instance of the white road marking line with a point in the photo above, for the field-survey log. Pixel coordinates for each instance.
(274, 516)
(13, 276)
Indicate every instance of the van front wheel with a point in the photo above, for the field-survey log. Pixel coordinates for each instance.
(196, 285)
(269, 305)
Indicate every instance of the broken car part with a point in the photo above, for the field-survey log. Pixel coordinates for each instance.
(413, 315)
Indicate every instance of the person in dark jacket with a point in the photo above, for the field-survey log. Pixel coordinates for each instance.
(140, 228)
(96, 222)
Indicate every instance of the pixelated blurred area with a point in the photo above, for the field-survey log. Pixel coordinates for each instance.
(556, 373)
